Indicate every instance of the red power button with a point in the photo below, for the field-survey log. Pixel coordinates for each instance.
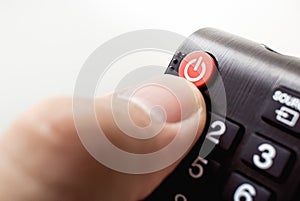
(197, 67)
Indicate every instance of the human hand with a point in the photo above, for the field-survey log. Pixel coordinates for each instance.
(42, 157)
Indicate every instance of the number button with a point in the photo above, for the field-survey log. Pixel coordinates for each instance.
(202, 167)
(244, 191)
(265, 159)
(239, 188)
(196, 170)
(218, 129)
(265, 155)
(222, 133)
(203, 178)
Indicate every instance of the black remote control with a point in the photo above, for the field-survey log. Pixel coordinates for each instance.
(253, 144)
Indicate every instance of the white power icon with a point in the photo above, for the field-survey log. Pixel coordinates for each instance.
(196, 67)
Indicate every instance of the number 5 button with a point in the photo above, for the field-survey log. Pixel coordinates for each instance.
(265, 155)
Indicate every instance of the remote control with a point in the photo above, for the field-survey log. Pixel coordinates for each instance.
(250, 149)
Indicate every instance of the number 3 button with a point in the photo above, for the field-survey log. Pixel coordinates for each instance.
(265, 155)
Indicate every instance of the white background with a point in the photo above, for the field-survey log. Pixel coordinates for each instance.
(43, 44)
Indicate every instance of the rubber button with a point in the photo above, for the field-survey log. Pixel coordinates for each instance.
(240, 188)
(283, 109)
(197, 67)
(265, 155)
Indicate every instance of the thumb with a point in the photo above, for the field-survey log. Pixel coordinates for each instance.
(156, 123)
(148, 117)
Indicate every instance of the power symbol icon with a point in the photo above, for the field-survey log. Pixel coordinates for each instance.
(197, 67)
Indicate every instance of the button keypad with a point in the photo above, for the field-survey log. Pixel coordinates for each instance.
(251, 152)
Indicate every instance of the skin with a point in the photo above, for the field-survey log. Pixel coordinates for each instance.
(42, 157)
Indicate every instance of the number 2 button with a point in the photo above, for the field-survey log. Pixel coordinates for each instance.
(265, 155)
(222, 132)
